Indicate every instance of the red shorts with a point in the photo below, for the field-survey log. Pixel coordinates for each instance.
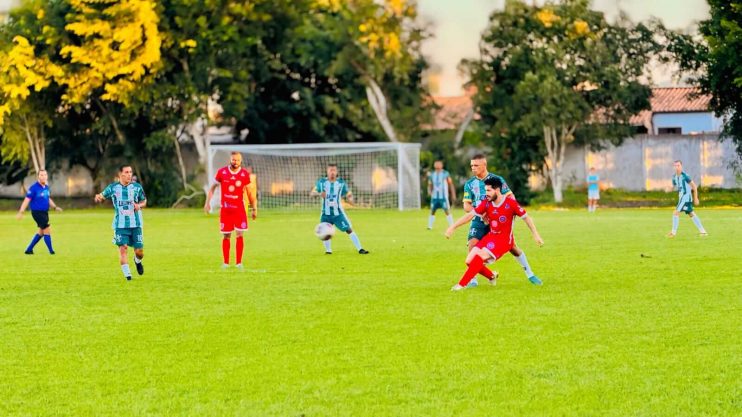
(496, 244)
(232, 219)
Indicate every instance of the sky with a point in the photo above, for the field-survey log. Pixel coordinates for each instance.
(457, 25)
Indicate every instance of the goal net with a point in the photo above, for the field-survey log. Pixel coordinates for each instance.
(380, 175)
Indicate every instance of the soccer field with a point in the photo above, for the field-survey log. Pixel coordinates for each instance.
(627, 323)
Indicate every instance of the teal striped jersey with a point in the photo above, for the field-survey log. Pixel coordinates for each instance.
(439, 181)
(335, 191)
(474, 193)
(123, 198)
(681, 184)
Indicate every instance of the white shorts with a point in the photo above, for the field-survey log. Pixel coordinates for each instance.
(593, 194)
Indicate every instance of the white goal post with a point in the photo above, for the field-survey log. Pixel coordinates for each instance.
(380, 175)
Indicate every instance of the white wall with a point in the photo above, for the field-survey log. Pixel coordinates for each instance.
(645, 163)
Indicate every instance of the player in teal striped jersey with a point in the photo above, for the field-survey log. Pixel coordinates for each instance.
(128, 201)
(333, 190)
(474, 193)
(687, 197)
(440, 186)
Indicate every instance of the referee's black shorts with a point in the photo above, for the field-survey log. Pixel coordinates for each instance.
(41, 217)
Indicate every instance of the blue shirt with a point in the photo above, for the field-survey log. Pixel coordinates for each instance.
(592, 182)
(39, 195)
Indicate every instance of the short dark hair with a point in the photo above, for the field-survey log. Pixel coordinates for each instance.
(679, 161)
(479, 156)
(494, 182)
(332, 165)
(121, 168)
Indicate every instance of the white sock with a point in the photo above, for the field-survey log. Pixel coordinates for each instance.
(524, 263)
(697, 221)
(125, 270)
(137, 260)
(675, 223)
(328, 245)
(356, 241)
(449, 217)
(431, 218)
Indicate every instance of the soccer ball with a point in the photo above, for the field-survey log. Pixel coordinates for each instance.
(324, 231)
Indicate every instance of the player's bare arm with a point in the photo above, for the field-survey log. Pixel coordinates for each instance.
(466, 218)
(451, 189)
(54, 205)
(22, 210)
(140, 205)
(694, 189)
(99, 198)
(349, 198)
(534, 232)
(207, 205)
(253, 205)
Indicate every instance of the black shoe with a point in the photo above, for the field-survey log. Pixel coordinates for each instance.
(28, 252)
(140, 268)
(363, 252)
(328, 253)
(52, 253)
(128, 278)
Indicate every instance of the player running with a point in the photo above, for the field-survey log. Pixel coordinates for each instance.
(500, 210)
(687, 197)
(128, 201)
(474, 194)
(233, 179)
(439, 187)
(40, 201)
(333, 189)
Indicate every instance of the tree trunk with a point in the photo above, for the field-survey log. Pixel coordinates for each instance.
(197, 131)
(553, 162)
(179, 154)
(556, 148)
(462, 128)
(378, 103)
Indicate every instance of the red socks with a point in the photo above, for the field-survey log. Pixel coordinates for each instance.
(486, 272)
(475, 266)
(225, 250)
(240, 247)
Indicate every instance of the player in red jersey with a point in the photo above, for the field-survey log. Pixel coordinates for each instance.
(499, 211)
(233, 180)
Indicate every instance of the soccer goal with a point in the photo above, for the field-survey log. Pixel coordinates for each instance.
(380, 175)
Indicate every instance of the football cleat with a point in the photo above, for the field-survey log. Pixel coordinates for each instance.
(473, 283)
(457, 287)
(534, 280)
(363, 252)
(140, 268)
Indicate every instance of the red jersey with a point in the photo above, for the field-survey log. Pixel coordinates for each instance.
(501, 217)
(233, 187)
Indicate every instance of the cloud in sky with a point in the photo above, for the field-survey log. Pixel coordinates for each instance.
(457, 25)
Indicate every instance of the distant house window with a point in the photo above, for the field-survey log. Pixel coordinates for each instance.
(641, 130)
(670, 131)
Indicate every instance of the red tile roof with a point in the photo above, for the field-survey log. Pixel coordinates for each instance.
(679, 99)
(664, 100)
(451, 113)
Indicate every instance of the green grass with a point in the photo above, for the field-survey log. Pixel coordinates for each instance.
(611, 333)
(616, 197)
